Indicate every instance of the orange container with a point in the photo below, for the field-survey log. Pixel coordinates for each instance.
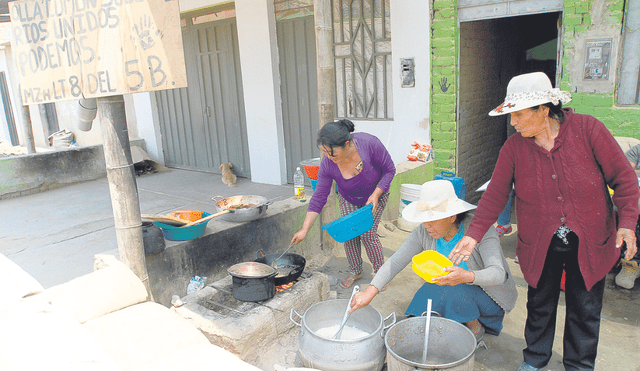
(311, 167)
(190, 215)
(429, 264)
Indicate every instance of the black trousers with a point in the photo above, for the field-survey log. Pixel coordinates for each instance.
(583, 309)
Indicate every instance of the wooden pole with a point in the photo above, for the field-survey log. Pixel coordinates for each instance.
(324, 56)
(122, 186)
(27, 130)
(326, 87)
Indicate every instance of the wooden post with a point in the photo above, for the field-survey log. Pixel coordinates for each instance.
(324, 56)
(122, 186)
(27, 130)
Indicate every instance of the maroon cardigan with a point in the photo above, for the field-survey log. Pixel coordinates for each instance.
(567, 185)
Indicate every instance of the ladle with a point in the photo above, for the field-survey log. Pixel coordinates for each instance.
(426, 332)
(356, 289)
(274, 263)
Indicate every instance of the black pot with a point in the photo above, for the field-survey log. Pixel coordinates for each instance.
(152, 238)
(253, 281)
(292, 264)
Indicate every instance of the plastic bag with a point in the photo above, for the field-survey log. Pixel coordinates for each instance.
(196, 283)
(420, 152)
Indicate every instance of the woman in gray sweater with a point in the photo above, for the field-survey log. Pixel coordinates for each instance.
(478, 292)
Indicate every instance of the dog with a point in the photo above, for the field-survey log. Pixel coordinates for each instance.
(228, 177)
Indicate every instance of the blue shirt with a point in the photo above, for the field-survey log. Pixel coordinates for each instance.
(445, 247)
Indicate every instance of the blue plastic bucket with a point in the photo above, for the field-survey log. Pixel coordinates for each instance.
(351, 225)
(458, 183)
(314, 182)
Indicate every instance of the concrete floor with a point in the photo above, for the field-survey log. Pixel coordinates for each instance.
(54, 235)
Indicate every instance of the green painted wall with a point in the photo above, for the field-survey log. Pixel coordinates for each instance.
(444, 65)
(622, 121)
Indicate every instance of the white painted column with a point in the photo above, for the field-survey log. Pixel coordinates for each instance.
(261, 85)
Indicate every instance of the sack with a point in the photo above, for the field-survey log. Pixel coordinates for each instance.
(61, 139)
(420, 152)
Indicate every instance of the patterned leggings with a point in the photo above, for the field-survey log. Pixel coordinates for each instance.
(372, 244)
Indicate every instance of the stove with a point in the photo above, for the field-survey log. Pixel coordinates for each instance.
(242, 327)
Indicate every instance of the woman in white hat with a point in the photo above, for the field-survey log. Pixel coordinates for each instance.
(478, 292)
(560, 163)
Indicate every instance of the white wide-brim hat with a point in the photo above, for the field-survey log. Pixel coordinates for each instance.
(437, 201)
(530, 90)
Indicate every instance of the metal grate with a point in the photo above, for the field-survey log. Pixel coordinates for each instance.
(362, 59)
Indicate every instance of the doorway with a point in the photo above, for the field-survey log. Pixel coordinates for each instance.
(492, 51)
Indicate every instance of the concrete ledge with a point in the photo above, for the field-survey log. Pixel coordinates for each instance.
(225, 244)
(32, 173)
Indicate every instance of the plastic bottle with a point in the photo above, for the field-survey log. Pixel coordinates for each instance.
(298, 185)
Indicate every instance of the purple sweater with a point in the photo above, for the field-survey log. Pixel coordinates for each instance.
(567, 185)
(377, 171)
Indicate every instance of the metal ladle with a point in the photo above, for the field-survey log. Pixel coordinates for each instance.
(426, 332)
(356, 289)
(274, 263)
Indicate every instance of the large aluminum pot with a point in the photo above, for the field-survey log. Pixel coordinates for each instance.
(242, 208)
(362, 354)
(451, 345)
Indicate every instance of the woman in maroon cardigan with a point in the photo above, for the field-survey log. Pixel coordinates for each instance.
(560, 163)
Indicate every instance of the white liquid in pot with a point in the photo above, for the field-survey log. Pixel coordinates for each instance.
(348, 332)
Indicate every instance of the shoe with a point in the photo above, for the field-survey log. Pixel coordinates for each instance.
(502, 230)
(627, 276)
(527, 367)
(348, 282)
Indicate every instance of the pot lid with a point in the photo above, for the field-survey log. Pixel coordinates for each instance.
(251, 270)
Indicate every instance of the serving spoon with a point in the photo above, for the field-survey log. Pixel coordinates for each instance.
(356, 289)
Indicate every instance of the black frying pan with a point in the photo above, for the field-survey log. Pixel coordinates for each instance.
(290, 266)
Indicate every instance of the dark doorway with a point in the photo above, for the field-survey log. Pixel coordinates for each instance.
(491, 53)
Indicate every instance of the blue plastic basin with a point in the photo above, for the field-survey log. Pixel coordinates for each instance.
(351, 225)
(183, 233)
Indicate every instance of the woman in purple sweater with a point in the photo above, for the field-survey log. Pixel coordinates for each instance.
(560, 163)
(362, 168)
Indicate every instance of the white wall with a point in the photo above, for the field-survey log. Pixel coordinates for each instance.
(410, 38)
(261, 85)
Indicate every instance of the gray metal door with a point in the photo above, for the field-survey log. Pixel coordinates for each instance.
(204, 125)
(299, 89)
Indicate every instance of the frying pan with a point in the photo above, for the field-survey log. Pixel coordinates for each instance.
(290, 266)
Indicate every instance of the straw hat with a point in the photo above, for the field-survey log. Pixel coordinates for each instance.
(530, 90)
(437, 201)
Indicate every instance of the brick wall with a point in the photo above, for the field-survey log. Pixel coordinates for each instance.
(483, 75)
(444, 83)
(622, 121)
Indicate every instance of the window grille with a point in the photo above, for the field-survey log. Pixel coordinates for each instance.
(362, 59)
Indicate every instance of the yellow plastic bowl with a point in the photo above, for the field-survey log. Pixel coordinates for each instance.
(429, 264)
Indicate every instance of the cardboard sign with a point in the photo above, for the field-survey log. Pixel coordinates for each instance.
(70, 49)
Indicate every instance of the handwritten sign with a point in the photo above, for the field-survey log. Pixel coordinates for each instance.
(70, 49)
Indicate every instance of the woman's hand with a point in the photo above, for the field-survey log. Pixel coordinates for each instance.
(463, 250)
(298, 237)
(455, 276)
(363, 298)
(628, 236)
(373, 199)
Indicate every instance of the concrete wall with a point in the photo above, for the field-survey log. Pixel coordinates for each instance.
(26, 174)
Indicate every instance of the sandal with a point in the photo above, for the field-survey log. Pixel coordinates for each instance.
(502, 230)
(348, 282)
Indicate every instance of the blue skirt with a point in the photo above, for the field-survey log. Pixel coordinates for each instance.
(461, 303)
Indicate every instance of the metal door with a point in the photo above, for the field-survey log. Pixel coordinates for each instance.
(299, 89)
(204, 125)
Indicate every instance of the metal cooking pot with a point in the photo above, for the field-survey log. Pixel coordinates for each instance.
(364, 354)
(243, 208)
(451, 345)
(253, 281)
(290, 266)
